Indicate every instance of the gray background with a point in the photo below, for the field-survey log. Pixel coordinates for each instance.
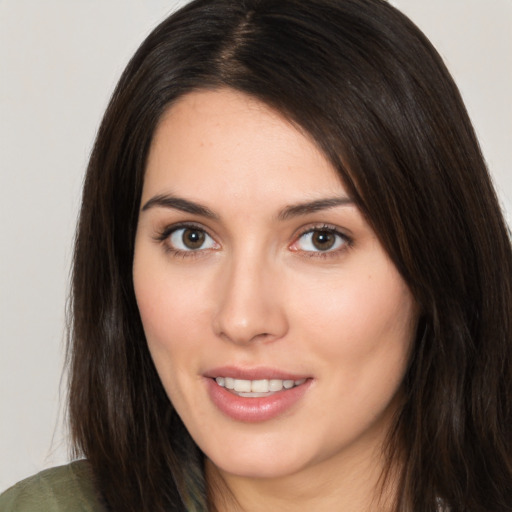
(59, 61)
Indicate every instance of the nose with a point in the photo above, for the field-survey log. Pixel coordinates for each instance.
(249, 304)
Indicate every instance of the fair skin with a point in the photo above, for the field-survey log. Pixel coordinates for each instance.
(252, 262)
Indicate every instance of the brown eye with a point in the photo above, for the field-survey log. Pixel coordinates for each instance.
(321, 240)
(191, 239)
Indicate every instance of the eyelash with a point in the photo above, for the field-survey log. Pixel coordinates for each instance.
(164, 235)
(347, 241)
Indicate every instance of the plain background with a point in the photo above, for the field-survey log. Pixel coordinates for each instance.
(59, 62)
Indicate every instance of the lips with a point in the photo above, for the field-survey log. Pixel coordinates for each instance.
(255, 395)
(255, 373)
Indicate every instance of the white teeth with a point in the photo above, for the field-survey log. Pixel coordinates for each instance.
(275, 385)
(242, 386)
(257, 386)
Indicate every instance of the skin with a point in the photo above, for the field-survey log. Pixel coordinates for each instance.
(259, 293)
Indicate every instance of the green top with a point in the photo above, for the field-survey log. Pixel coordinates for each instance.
(64, 489)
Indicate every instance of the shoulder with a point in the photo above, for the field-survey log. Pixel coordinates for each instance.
(67, 488)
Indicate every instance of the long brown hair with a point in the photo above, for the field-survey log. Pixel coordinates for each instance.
(371, 91)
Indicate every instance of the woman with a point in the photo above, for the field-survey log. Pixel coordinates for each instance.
(292, 280)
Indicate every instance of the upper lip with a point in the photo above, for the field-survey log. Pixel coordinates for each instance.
(254, 373)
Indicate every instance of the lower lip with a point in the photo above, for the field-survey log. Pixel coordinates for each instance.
(253, 410)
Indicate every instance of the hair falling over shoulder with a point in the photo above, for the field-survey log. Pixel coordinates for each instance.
(370, 90)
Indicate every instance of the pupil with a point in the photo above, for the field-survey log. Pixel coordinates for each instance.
(193, 238)
(323, 240)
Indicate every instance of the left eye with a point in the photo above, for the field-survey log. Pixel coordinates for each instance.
(190, 239)
(320, 240)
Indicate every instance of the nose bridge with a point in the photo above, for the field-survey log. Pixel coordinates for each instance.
(249, 303)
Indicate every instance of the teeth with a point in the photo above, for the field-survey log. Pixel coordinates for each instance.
(242, 386)
(257, 386)
(275, 385)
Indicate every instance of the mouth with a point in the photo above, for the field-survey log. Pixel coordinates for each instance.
(262, 395)
(256, 394)
(256, 388)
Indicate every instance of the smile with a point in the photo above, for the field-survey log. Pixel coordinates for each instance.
(256, 388)
(257, 399)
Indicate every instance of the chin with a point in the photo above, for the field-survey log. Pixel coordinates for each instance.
(259, 460)
(258, 469)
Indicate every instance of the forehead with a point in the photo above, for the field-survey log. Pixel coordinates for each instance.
(227, 143)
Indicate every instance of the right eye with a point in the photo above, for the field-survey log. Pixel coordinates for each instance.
(190, 238)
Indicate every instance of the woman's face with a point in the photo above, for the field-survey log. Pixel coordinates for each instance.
(254, 270)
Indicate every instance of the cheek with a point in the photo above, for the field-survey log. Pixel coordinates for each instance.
(169, 303)
(366, 324)
(169, 316)
(360, 340)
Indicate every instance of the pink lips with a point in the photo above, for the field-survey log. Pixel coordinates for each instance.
(254, 409)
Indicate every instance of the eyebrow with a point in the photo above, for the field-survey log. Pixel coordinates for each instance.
(178, 203)
(297, 210)
(291, 211)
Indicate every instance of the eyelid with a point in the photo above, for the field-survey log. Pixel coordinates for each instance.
(163, 237)
(347, 240)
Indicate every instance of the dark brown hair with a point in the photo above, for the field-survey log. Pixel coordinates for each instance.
(371, 91)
